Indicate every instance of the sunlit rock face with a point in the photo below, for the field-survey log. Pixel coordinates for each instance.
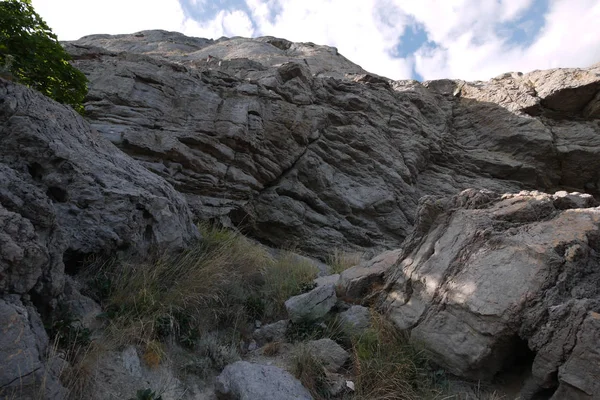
(483, 272)
(303, 148)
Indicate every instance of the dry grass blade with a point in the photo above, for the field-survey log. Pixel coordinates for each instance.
(340, 260)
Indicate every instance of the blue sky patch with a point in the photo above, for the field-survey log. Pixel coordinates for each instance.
(413, 38)
(524, 30)
(207, 10)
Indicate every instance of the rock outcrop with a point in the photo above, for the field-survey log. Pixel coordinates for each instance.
(299, 147)
(305, 149)
(65, 193)
(486, 276)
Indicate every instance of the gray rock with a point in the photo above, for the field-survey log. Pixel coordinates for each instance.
(327, 280)
(312, 305)
(357, 282)
(67, 192)
(27, 368)
(355, 320)
(245, 381)
(274, 332)
(120, 374)
(483, 272)
(303, 148)
(80, 308)
(331, 354)
(578, 376)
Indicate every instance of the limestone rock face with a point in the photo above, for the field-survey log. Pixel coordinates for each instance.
(27, 369)
(305, 149)
(66, 191)
(483, 273)
(246, 381)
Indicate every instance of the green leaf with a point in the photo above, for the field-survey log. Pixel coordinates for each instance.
(32, 55)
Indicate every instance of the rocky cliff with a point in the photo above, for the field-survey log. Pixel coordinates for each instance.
(304, 148)
(299, 147)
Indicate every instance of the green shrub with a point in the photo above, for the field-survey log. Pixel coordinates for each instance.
(31, 54)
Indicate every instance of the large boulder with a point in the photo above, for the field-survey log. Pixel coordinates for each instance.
(484, 274)
(67, 192)
(246, 381)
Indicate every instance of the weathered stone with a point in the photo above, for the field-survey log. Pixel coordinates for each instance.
(26, 366)
(578, 376)
(67, 192)
(327, 280)
(120, 374)
(357, 282)
(303, 148)
(246, 381)
(355, 320)
(274, 332)
(83, 310)
(485, 272)
(312, 305)
(331, 354)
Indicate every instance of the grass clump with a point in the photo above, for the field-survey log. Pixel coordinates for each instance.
(223, 281)
(304, 330)
(311, 372)
(386, 366)
(287, 276)
(340, 260)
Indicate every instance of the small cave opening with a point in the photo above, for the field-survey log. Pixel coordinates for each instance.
(515, 377)
(57, 195)
(74, 261)
(149, 234)
(36, 171)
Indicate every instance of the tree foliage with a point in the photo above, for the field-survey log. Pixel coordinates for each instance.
(32, 55)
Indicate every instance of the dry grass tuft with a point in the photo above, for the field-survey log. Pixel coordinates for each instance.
(386, 366)
(175, 296)
(223, 281)
(340, 260)
(272, 348)
(310, 371)
(287, 276)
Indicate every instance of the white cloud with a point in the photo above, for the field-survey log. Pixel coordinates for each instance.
(363, 31)
(72, 19)
(470, 47)
(470, 34)
(225, 23)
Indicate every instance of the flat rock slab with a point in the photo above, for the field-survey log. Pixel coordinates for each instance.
(246, 381)
(331, 354)
(312, 305)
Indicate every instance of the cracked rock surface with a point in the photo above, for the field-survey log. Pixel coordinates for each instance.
(484, 273)
(305, 149)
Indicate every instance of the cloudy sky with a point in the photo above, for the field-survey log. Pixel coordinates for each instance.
(400, 39)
